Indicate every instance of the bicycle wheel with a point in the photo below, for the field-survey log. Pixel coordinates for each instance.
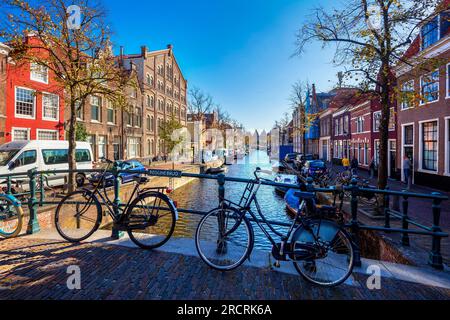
(224, 239)
(151, 220)
(11, 216)
(78, 216)
(331, 261)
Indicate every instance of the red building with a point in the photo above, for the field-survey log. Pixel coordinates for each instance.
(34, 103)
(365, 142)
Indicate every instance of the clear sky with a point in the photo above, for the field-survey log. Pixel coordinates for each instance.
(239, 51)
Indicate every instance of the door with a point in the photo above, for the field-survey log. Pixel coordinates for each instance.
(409, 152)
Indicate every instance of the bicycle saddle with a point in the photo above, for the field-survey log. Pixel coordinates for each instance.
(141, 180)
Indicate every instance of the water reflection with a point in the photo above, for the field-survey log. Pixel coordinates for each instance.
(203, 195)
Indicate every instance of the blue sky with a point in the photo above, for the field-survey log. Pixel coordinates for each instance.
(238, 51)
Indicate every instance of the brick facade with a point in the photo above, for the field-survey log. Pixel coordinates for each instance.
(4, 51)
(164, 94)
(424, 120)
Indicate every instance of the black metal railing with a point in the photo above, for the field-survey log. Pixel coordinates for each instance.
(355, 226)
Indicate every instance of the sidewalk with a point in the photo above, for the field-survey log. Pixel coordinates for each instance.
(419, 210)
(35, 268)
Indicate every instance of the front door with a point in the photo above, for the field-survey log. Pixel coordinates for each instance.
(392, 159)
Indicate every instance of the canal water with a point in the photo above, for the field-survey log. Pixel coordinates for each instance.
(203, 195)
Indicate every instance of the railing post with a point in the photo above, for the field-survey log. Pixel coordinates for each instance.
(221, 246)
(116, 234)
(435, 256)
(387, 214)
(33, 224)
(8, 185)
(42, 190)
(405, 224)
(354, 222)
(309, 184)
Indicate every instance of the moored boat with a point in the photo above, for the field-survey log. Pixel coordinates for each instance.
(285, 179)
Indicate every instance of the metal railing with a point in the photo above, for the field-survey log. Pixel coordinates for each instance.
(354, 225)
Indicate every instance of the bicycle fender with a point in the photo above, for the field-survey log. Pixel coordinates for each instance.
(13, 199)
(328, 231)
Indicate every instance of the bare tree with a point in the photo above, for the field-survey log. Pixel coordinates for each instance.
(370, 38)
(80, 58)
(199, 104)
(298, 103)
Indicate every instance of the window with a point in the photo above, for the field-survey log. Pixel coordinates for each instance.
(138, 119)
(21, 135)
(430, 33)
(346, 125)
(50, 106)
(430, 87)
(391, 119)
(377, 152)
(366, 154)
(96, 109)
(359, 124)
(429, 145)
(102, 146)
(55, 156)
(408, 135)
(38, 73)
(26, 158)
(25, 103)
(149, 80)
(376, 121)
(47, 135)
(111, 114)
(407, 95)
(133, 147)
(82, 155)
(79, 110)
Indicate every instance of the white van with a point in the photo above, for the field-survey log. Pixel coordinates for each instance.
(19, 157)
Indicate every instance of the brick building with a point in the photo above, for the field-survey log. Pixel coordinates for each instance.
(34, 102)
(4, 51)
(424, 105)
(340, 133)
(164, 93)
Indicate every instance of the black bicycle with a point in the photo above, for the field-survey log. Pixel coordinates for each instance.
(149, 217)
(320, 248)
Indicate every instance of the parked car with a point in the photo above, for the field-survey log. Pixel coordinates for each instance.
(19, 157)
(301, 159)
(135, 166)
(314, 168)
(290, 157)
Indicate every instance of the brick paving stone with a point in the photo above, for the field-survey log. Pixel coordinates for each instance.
(37, 270)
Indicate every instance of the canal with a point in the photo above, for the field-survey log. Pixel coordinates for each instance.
(203, 195)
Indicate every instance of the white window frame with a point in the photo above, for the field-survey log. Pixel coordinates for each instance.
(422, 101)
(38, 131)
(447, 147)
(21, 116)
(421, 147)
(447, 68)
(32, 78)
(402, 105)
(402, 151)
(375, 129)
(99, 109)
(28, 130)
(57, 111)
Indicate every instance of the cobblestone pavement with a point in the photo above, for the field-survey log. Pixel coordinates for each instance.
(37, 269)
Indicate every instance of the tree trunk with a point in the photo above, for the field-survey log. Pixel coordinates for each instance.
(72, 146)
(384, 128)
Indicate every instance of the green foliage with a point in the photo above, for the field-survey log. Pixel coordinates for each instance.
(81, 133)
(166, 129)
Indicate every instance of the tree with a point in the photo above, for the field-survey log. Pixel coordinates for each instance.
(298, 103)
(199, 104)
(166, 130)
(79, 55)
(80, 132)
(370, 38)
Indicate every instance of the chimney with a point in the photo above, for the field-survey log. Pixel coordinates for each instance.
(144, 51)
(170, 47)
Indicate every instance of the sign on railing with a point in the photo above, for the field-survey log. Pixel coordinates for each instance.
(165, 173)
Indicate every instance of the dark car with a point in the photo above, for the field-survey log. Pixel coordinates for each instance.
(301, 159)
(135, 166)
(290, 157)
(314, 168)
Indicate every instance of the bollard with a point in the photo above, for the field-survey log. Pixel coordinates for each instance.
(41, 190)
(8, 185)
(405, 224)
(435, 259)
(354, 223)
(387, 214)
(33, 224)
(116, 234)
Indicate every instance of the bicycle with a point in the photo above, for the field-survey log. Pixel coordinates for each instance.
(320, 249)
(11, 216)
(149, 216)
